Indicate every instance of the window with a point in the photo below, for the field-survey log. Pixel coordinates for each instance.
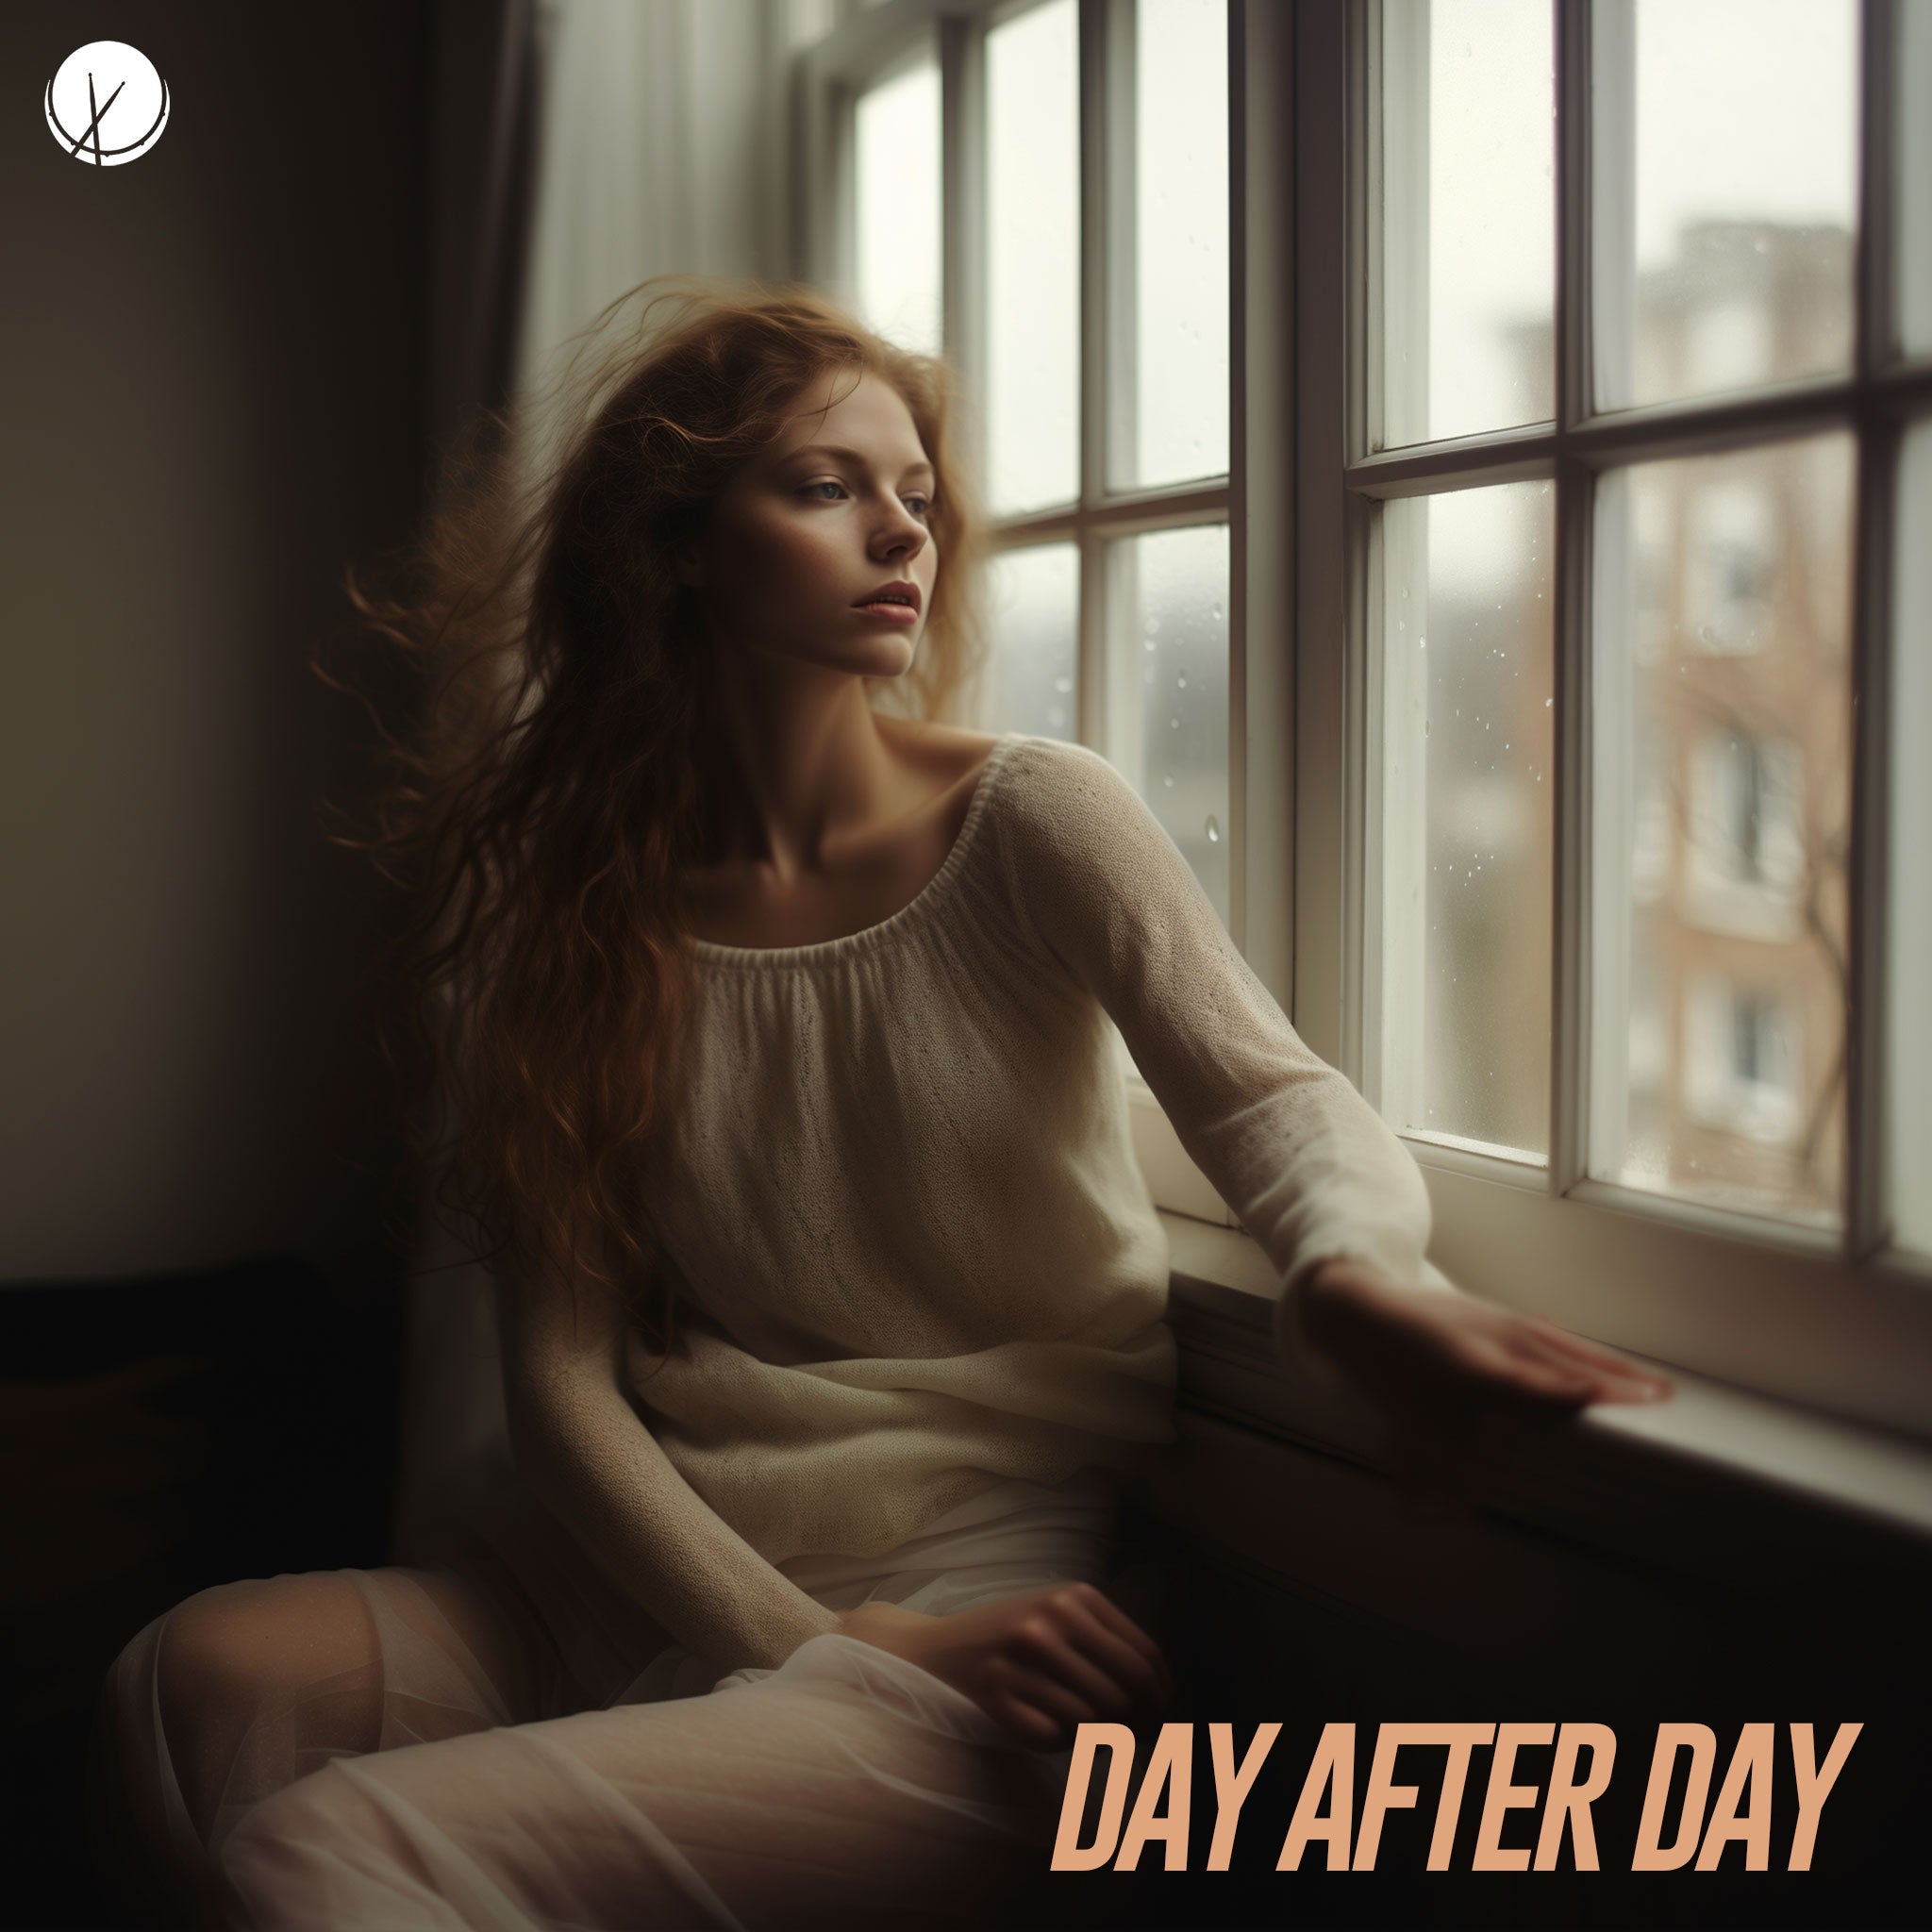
(1523, 630)
(1745, 832)
(1616, 408)
(1731, 546)
(1083, 180)
(1740, 1070)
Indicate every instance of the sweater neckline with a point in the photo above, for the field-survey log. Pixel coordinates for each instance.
(920, 907)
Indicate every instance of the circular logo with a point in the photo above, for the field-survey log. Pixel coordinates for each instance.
(107, 105)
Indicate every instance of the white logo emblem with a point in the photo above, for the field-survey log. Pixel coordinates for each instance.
(107, 105)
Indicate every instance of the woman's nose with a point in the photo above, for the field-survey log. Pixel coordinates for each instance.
(903, 534)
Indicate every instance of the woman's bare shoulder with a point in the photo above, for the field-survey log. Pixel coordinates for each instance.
(948, 759)
(946, 747)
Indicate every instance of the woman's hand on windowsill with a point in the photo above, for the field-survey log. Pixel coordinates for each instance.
(1463, 1382)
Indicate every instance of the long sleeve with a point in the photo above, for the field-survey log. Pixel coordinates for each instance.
(1308, 1167)
(588, 1455)
(916, 1253)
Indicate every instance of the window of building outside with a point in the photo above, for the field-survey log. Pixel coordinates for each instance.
(1542, 703)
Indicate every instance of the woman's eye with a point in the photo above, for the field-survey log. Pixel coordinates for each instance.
(919, 505)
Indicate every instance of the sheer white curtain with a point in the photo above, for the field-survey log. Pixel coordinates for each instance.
(660, 139)
(661, 148)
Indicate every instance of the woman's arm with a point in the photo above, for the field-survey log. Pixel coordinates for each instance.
(1039, 1663)
(591, 1458)
(1311, 1169)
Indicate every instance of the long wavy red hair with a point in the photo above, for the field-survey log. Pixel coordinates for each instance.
(547, 759)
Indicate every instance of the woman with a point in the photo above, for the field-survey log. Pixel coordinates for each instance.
(831, 1303)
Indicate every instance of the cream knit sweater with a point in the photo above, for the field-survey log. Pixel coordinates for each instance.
(916, 1253)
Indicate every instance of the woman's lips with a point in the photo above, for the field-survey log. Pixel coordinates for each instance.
(893, 614)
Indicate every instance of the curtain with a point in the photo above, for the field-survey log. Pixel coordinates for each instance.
(662, 150)
(482, 148)
(581, 147)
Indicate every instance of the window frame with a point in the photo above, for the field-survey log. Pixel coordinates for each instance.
(1838, 1320)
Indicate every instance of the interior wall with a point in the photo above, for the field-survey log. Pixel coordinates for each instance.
(215, 403)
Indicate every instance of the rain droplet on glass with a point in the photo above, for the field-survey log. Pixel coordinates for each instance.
(1214, 829)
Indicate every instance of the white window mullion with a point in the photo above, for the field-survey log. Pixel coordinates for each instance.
(1108, 344)
(1119, 439)
(1579, 1002)
(1389, 979)
(1094, 679)
(1501, 456)
(1868, 1214)
(1261, 474)
(1596, 745)
(1393, 867)
(962, 215)
(1868, 1056)
(1597, 130)
(1396, 154)
(1325, 202)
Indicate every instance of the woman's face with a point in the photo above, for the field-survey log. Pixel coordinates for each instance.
(838, 508)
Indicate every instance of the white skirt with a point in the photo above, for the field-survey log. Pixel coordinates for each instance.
(496, 1738)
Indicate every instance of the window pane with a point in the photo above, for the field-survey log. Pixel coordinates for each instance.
(1723, 816)
(1468, 217)
(1914, 135)
(1033, 666)
(1908, 904)
(1726, 172)
(1467, 815)
(1033, 259)
(897, 162)
(1169, 348)
(1167, 688)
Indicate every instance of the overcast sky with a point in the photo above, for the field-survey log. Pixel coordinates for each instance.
(1744, 108)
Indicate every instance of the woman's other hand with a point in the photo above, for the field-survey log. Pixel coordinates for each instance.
(1462, 1381)
(1041, 1664)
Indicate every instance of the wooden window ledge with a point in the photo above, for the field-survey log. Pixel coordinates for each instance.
(1718, 1483)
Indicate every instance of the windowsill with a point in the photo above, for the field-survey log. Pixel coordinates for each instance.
(1718, 1482)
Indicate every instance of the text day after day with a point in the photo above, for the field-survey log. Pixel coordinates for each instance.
(1695, 1834)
